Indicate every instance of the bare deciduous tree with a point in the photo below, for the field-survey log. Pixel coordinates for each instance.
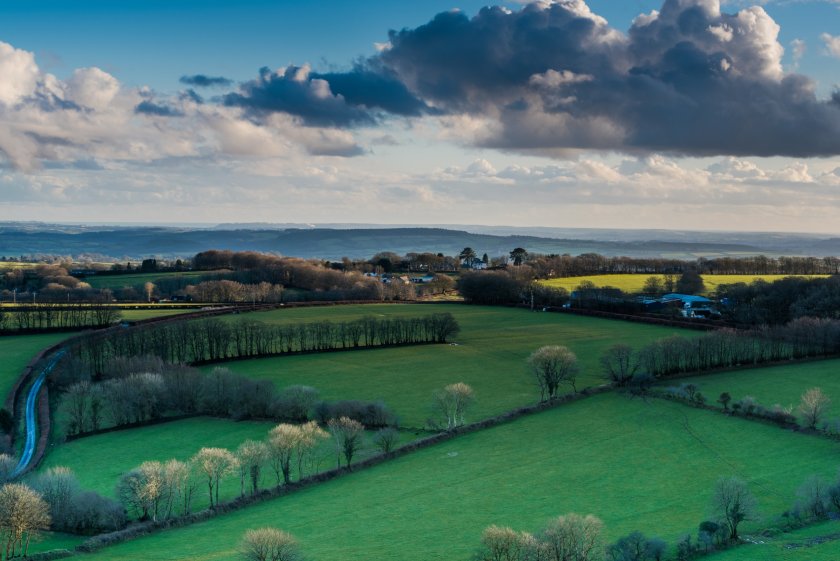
(732, 504)
(502, 544)
(452, 403)
(153, 489)
(7, 467)
(386, 439)
(251, 455)
(310, 435)
(348, 436)
(282, 442)
(214, 463)
(23, 513)
(619, 364)
(269, 544)
(813, 497)
(551, 366)
(57, 487)
(813, 406)
(181, 484)
(573, 537)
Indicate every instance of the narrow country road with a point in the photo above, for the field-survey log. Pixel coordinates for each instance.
(30, 421)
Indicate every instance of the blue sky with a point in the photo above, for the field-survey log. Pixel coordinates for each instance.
(99, 126)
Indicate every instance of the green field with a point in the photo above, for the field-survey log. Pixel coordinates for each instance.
(135, 315)
(138, 279)
(820, 542)
(783, 384)
(490, 356)
(15, 353)
(640, 465)
(635, 283)
(98, 461)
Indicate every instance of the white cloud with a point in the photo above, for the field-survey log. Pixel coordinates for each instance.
(92, 88)
(92, 116)
(832, 44)
(798, 48)
(19, 74)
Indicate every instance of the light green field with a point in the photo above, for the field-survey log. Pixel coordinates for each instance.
(15, 353)
(137, 279)
(640, 465)
(635, 283)
(49, 541)
(135, 315)
(775, 384)
(489, 356)
(98, 461)
(7, 265)
(815, 543)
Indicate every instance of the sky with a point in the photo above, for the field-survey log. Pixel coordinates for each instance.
(674, 114)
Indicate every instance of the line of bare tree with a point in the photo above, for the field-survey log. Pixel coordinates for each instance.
(56, 316)
(546, 266)
(213, 340)
(725, 348)
(140, 390)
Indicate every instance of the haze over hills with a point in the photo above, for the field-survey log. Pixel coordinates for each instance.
(333, 241)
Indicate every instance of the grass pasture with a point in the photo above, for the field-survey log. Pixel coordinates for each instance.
(634, 283)
(640, 465)
(820, 542)
(782, 384)
(139, 279)
(490, 356)
(98, 461)
(16, 351)
(147, 313)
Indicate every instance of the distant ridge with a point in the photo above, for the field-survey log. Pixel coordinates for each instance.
(362, 241)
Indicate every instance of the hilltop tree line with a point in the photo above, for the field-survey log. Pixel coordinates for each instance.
(781, 301)
(211, 340)
(57, 316)
(548, 266)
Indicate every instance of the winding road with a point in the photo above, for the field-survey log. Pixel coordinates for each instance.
(31, 425)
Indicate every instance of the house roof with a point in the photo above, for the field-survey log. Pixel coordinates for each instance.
(686, 298)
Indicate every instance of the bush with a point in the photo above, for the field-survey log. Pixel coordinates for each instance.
(295, 403)
(372, 414)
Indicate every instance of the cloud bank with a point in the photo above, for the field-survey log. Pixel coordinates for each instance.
(552, 77)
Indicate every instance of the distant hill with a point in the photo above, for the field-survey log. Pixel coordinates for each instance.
(364, 241)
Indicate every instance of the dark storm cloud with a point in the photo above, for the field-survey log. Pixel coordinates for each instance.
(464, 63)
(688, 79)
(337, 99)
(151, 108)
(292, 90)
(374, 90)
(202, 81)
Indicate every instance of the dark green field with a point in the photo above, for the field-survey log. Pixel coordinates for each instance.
(820, 542)
(637, 465)
(98, 461)
(138, 279)
(15, 353)
(775, 384)
(489, 355)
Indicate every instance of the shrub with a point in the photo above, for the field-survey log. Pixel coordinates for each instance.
(372, 414)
